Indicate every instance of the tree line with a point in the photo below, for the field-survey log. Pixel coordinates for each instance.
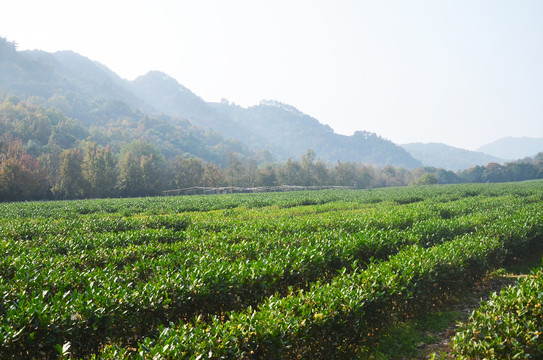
(45, 155)
(92, 171)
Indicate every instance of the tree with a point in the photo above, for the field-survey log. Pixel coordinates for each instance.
(345, 174)
(235, 171)
(321, 174)
(50, 161)
(99, 170)
(266, 177)
(151, 174)
(72, 183)
(251, 170)
(394, 176)
(446, 177)
(187, 172)
(493, 172)
(142, 169)
(425, 179)
(213, 175)
(473, 174)
(7, 48)
(363, 177)
(130, 182)
(21, 178)
(308, 168)
(290, 173)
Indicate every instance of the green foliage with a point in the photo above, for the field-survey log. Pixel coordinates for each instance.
(426, 179)
(99, 170)
(187, 172)
(156, 143)
(285, 131)
(130, 176)
(305, 274)
(72, 183)
(507, 326)
(403, 340)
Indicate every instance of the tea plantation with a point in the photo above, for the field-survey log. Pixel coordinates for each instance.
(297, 275)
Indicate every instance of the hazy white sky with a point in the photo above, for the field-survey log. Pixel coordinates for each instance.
(461, 72)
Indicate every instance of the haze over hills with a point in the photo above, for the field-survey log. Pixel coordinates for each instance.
(104, 107)
(448, 157)
(512, 148)
(280, 128)
(71, 128)
(89, 91)
(170, 97)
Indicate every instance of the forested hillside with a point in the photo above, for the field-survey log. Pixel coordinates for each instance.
(280, 128)
(90, 92)
(46, 155)
(65, 158)
(70, 128)
(286, 130)
(101, 102)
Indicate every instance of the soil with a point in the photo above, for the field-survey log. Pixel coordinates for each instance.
(465, 306)
(467, 303)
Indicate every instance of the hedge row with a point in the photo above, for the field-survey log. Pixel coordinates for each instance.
(325, 321)
(88, 289)
(507, 326)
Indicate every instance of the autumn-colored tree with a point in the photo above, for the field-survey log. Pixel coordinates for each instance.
(21, 178)
(494, 172)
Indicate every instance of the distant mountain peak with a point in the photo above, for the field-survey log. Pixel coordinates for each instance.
(7, 47)
(282, 106)
(511, 148)
(365, 134)
(159, 75)
(160, 78)
(75, 84)
(167, 95)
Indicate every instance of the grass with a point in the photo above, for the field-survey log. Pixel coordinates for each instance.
(408, 340)
(427, 336)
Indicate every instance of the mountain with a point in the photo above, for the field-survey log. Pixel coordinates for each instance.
(168, 96)
(287, 132)
(88, 91)
(512, 148)
(282, 129)
(448, 157)
(100, 106)
(64, 77)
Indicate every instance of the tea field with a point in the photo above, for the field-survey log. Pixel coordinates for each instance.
(297, 275)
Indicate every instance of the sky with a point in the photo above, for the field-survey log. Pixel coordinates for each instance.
(459, 72)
